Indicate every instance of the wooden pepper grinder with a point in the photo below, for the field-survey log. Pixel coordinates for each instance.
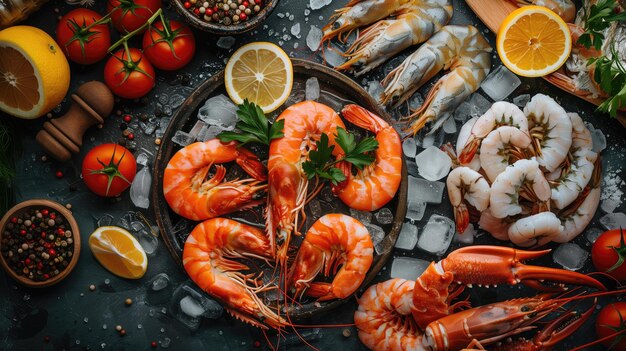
(63, 136)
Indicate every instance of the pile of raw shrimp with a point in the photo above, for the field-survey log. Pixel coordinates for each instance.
(531, 174)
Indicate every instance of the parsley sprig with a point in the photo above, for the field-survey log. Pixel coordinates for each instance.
(599, 18)
(321, 164)
(254, 126)
(610, 75)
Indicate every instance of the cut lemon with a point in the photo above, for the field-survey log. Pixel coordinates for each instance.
(119, 252)
(533, 41)
(34, 73)
(260, 72)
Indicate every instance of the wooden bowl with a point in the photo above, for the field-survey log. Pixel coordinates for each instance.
(60, 209)
(221, 29)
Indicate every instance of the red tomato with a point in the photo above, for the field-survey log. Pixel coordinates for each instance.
(129, 77)
(608, 249)
(612, 315)
(80, 42)
(169, 49)
(128, 15)
(109, 169)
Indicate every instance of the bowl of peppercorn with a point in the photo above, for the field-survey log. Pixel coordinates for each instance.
(39, 243)
(225, 17)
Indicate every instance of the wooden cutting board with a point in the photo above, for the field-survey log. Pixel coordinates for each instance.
(493, 13)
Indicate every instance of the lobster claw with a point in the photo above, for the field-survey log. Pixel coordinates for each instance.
(562, 327)
(492, 265)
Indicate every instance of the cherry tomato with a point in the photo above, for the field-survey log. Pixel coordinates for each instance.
(109, 169)
(608, 254)
(129, 77)
(128, 15)
(170, 45)
(612, 315)
(81, 40)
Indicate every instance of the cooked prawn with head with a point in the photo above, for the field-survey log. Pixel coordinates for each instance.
(334, 240)
(466, 186)
(463, 50)
(502, 147)
(208, 259)
(191, 195)
(376, 184)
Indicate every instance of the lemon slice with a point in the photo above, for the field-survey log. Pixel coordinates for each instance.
(34, 73)
(260, 72)
(533, 41)
(119, 252)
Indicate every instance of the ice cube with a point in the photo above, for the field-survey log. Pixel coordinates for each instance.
(449, 126)
(428, 140)
(362, 216)
(570, 256)
(500, 83)
(314, 38)
(126, 220)
(208, 132)
(384, 216)
(312, 90)
(333, 56)
(163, 99)
(225, 42)
(104, 220)
(140, 188)
(521, 100)
(315, 208)
(467, 237)
(462, 113)
(416, 101)
(592, 234)
(613, 220)
(375, 89)
(415, 209)
(599, 140)
(176, 100)
(376, 233)
(424, 190)
(165, 343)
(295, 29)
(433, 164)
(191, 307)
(220, 111)
(409, 147)
(183, 139)
(148, 242)
(478, 105)
(159, 282)
(437, 235)
(195, 130)
(189, 304)
(408, 268)
(407, 237)
(318, 4)
(609, 205)
(148, 127)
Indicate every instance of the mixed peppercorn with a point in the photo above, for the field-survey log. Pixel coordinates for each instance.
(37, 244)
(226, 12)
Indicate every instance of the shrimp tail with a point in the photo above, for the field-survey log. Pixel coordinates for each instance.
(251, 164)
(363, 118)
(461, 215)
(469, 151)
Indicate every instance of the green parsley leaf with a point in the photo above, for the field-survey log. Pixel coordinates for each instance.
(599, 18)
(356, 153)
(610, 75)
(254, 126)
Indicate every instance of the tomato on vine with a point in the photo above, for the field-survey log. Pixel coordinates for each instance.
(169, 45)
(128, 15)
(109, 169)
(608, 253)
(129, 74)
(610, 325)
(84, 36)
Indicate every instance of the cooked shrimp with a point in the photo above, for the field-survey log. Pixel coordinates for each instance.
(461, 48)
(333, 240)
(384, 39)
(564, 8)
(535, 230)
(550, 129)
(207, 258)
(376, 184)
(466, 186)
(384, 317)
(502, 147)
(521, 179)
(304, 124)
(501, 113)
(191, 196)
(464, 134)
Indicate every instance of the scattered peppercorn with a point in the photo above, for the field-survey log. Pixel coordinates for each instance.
(122, 332)
(257, 343)
(346, 333)
(59, 174)
(224, 12)
(127, 118)
(130, 136)
(153, 344)
(128, 301)
(118, 327)
(92, 287)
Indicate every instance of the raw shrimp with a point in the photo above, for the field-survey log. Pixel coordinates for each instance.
(207, 258)
(384, 39)
(501, 113)
(333, 240)
(466, 186)
(304, 124)
(459, 48)
(464, 135)
(535, 230)
(564, 8)
(497, 227)
(191, 196)
(502, 147)
(384, 317)
(521, 179)
(376, 184)
(550, 129)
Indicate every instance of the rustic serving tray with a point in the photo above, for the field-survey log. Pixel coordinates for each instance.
(493, 13)
(175, 229)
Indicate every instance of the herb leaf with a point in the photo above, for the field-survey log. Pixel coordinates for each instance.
(610, 75)
(254, 126)
(356, 153)
(599, 18)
